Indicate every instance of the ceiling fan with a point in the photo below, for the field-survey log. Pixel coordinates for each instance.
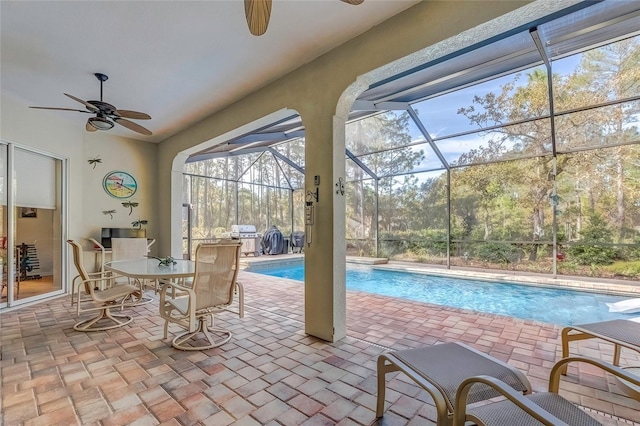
(106, 114)
(259, 11)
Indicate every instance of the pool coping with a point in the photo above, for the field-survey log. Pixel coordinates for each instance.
(593, 285)
(612, 288)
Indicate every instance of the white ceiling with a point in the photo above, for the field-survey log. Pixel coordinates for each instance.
(178, 61)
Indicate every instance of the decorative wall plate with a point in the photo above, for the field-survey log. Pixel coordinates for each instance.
(119, 184)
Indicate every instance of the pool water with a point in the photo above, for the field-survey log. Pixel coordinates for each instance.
(556, 306)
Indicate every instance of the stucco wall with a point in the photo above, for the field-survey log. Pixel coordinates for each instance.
(134, 157)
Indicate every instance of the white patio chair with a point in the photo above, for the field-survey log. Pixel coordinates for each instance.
(113, 296)
(213, 289)
(131, 249)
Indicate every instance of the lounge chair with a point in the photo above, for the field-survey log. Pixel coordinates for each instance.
(193, 307)
(547, 408)
(622, 333)
(440, 369)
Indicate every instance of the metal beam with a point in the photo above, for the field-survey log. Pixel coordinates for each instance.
(361, 165)
(286, 160)
(248, 151)
(379, 106)
(426, 135)
(266, 137)
(543, 52)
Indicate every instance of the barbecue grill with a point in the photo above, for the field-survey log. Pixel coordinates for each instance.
(249, 238)
(297, 241)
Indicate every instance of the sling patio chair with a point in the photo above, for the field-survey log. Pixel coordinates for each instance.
(131, 249)
(439, 369)
(621, 333)
(193, 306)
(101, 294)
(546, 408)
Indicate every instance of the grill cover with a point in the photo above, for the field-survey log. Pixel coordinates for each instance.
(297, 239)
(273, 242)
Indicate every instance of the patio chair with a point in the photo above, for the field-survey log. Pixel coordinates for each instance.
(101, 295)
(439, 369)
(547, 408)
(621, 333)
(193, 307)
(131, 249)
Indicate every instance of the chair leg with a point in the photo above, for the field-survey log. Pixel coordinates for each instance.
(105, 313)
(220, 338)
(381, 387)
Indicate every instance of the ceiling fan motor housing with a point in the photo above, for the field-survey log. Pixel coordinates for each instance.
(103, 107)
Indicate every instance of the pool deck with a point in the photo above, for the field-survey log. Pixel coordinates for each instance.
(271, 372)
(597, 285)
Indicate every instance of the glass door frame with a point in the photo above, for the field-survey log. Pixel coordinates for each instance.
(11, 224)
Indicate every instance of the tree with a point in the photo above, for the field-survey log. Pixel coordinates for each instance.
(612, 72)
(380, 142)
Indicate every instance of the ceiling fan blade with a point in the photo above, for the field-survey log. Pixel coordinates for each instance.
(354, 2)
(132, 114)
(258, 13)
(90, 107)
(132, 126)
(89, 128)
(62, 109)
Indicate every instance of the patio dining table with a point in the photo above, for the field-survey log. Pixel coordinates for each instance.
(149, 269)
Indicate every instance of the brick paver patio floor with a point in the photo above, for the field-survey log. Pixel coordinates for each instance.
(270, 373)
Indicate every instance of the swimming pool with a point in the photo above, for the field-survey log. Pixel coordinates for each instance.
(556, 306)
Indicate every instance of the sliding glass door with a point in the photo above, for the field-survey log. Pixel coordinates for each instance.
(32, 225)
(3, 225)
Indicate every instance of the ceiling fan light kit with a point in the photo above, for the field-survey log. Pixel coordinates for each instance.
(100, 123)
(106, 114)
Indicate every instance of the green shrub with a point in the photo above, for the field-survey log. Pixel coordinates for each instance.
(497, 252)
(628, 269)
(590, 250)
(588, 254)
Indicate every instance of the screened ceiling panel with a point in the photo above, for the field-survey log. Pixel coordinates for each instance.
(442, 115)
(511, 53)
(591, 26)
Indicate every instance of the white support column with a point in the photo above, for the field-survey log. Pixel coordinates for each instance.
(325, 287)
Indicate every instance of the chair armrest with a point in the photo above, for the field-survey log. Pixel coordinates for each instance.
(558, 368)
(176, 290)
(166, 302)
(509, 393)
(99, 274)
(101, 280)
(174, 285)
